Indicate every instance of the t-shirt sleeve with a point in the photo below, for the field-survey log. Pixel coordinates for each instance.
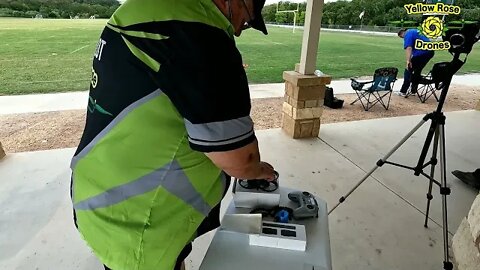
(409, 39)
(204, 78)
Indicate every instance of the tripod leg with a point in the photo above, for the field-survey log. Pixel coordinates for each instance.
(381, 161)
(444, 191)
(432, 174)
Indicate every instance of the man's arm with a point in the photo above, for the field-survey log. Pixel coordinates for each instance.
(243, 163)
(408, 55)
(408, 43)
(203, 76)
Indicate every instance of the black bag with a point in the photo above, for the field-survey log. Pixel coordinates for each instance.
(331, 101)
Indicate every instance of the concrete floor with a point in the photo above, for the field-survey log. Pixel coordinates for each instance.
(380, 226)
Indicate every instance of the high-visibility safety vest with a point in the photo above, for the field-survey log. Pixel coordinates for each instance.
(139, 190)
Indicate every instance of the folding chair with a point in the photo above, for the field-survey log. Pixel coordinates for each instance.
(426, 88)
(429, 84)
(376, 91)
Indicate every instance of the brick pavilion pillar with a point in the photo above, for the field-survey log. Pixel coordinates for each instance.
(304, 91)
(303, 105)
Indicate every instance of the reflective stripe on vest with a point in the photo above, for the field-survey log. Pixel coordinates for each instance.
(140, 191)
(171, 177)
(112, 124)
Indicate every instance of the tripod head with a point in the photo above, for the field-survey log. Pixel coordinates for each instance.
(461, 41)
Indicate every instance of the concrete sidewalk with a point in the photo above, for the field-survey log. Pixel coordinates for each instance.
(379, 227)
(79, 100)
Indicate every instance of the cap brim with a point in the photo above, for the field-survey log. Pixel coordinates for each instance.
(258, 23)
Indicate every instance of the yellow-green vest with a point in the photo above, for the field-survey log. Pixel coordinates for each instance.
(139, 191)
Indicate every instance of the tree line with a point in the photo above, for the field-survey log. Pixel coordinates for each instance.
(58, 8)
(376, 12)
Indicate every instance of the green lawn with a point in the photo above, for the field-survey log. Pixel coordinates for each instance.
(39, 56)
(341, 55)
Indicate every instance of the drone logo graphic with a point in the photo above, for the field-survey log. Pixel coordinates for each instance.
(432, 27)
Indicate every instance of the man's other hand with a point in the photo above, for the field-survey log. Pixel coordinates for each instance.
(409, 64)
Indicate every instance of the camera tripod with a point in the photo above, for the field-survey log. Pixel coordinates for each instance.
(436, 132)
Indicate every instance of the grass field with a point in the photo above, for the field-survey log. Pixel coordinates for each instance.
(40, 56)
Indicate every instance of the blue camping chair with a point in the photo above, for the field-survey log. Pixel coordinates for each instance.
(376, 91)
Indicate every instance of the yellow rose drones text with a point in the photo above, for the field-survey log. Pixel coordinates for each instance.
(432, 27)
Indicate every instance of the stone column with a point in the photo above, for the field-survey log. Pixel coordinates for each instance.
(303, 104)
(466, 241)
(2, 152)
(304, 91)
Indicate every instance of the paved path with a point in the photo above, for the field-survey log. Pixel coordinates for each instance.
(78, 100)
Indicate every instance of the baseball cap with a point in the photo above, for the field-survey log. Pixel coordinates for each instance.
(258, 23)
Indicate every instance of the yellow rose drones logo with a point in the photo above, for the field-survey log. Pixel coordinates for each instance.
(432, 27)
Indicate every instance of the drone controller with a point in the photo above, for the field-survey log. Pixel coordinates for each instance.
(308, 206)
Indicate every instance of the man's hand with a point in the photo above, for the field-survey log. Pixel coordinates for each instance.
(266, 172)
(243, 163)
(409, 64)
